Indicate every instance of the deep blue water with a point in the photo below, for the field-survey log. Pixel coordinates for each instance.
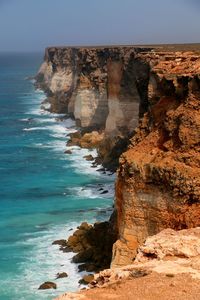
(43, 192)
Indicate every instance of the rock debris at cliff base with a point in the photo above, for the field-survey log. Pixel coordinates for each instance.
(145, 101)
(166, 267)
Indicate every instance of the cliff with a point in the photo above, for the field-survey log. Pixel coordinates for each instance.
(101, 88)
(158, 184)
(167, 267)
(146, 100)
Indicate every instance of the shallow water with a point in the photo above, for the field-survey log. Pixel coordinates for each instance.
(44, 193)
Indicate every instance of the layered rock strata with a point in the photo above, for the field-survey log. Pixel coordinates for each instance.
(111, 90)
(102, 88)
(158, 183)
(93, 245)
(167, 265)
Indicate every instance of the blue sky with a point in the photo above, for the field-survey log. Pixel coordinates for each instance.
(32, 25)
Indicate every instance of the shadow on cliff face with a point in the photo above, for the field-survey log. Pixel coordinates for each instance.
(92, 245)
(128, 95)
(158, 181)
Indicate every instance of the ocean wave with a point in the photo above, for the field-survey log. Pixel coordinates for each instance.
(43, 262)
(26, 119)
(34, 128)
(102, 190)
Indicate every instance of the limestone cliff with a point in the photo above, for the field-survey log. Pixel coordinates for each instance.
(158, 183)
(167, 267)
(100, 87)
(112, 89)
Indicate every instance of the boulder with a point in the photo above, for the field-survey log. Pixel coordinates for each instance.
(83, 256)
(88, 157)
(61, 275)
(104, 192)
(87, 279)
(62, 243)
(68, 152)
(47, 285)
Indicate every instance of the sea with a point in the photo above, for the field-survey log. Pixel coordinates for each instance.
(44, 193)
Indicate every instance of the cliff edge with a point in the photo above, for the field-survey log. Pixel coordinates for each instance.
(158, 183)
(145, 102)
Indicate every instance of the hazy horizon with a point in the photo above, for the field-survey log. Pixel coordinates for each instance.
(31, 26)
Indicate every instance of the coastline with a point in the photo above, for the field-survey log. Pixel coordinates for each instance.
(75, 152)
(141, 101)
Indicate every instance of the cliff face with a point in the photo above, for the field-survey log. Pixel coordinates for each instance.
(101, 88)
(158, 182)
(87, 82)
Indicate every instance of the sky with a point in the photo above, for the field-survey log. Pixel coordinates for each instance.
(32, 25)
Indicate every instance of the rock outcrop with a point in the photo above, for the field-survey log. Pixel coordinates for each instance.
(158, 183)
(101, 88)
(47, 285)
(144, 103)
(167, 265)
(93, 245)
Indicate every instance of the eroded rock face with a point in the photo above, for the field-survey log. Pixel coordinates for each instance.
(88, 140)
(107, 90)
(85, 81)
(158, 183)
(165, 259)
(93, 245)
(102, 88)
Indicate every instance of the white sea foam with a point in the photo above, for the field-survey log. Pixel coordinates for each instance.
(44, 262)
(34, 128)
(81, 165)
(96, 191)
(57, 146)
(46, 105)
(25, 120)
(44, 120)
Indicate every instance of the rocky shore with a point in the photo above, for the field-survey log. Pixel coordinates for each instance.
(166, 267)
(140, 107)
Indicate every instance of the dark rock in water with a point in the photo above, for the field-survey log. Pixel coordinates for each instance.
(62, 243)
(100, 189)
(94, 246)
(88, 157)
(86, 279)
(110, 174)
(104, 192)
(65, 249)
(83, 256)
(61, 275)
(68, 152)
(82, 267)
(88, 267)
(47, 285)
(101, 170)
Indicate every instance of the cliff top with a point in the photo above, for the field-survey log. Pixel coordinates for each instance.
(163, 47)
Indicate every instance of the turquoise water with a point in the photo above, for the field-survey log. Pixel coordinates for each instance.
(44, 193)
